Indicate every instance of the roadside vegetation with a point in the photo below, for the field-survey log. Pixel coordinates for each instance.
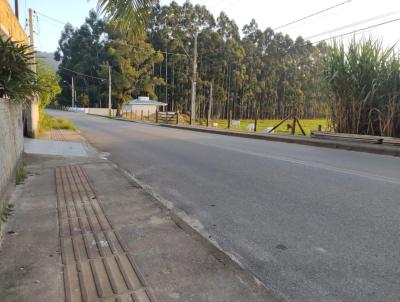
(21, 174)
(48, 82)
(48, 122)
(307, 124)
(253, 72)
(363, 80)
(262, 72)
(5, 212)
(17, 80)
(130, 56)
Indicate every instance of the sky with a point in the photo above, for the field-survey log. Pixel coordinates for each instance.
(347, 18)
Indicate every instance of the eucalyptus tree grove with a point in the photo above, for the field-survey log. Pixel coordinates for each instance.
(251, 71)
(87, 52)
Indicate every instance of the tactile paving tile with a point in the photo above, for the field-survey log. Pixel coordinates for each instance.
(97, 266)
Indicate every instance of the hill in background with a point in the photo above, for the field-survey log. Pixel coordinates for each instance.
(48, 57)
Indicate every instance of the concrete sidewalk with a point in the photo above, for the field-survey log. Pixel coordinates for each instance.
(84, 231)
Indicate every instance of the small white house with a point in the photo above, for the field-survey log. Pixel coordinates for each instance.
(143, 103)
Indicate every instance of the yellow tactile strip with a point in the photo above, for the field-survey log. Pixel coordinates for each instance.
(97, 265)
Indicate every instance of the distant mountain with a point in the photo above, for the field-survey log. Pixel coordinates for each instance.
(48, 57)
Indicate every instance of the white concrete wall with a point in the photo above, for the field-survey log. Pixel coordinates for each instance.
(33, 118)
(100, 111)
(11, 145)
(147, 109)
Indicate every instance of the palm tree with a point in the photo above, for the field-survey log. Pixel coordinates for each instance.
(128, 14)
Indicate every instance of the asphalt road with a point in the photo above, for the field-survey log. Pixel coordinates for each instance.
(313, 224)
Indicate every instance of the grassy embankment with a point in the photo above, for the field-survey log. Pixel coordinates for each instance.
(307, 124)
(48, 122)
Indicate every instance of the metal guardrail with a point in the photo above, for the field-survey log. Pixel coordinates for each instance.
(382, 140)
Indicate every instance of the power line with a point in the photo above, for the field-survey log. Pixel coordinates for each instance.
(81, 74)
(159, 50)
(217, 4)
(50, 18)
(49, 22)
(230, 5)
(308, 43)
(312, 15)
(64, 23)
(357, 30)
(353, 24)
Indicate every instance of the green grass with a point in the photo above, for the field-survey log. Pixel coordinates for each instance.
(5, 212)
(21, 174)
(307, 124)
(48, 122)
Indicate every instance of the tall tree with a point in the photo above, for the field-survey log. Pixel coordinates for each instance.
(128, 14)
(131, 59)
(86, 53)
(82, 50)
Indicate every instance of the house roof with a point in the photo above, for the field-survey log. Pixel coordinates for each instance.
(142, 100)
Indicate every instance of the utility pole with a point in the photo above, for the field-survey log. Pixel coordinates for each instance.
(17, 9)
(210, 104)
(194, 82)
(173, 88)
(31, 40)
(73, 93)
(166, 78)
(109, 90)
(32, 113)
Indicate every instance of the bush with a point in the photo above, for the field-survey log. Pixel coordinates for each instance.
(17, 80)
(48, 84)
(364, 81)
(5, 212)
(48, 122)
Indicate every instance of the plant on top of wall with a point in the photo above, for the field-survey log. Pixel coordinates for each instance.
(17, 80)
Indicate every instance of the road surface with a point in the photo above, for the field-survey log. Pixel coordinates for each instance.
(313, 224)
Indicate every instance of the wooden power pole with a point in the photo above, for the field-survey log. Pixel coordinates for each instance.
(210, 103)
(31, 39)
(17, 9)
(194, 84)
(32, 114)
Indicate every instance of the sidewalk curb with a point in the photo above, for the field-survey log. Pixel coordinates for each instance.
(307, 141)
(148, 289)
(180, 218)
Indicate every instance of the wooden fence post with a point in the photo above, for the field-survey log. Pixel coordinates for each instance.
(177, 117)
(148, 114)
(255, 121)
(301, 128)
(157, 116)
(141, 115)
(229, 119)
(294, 126)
